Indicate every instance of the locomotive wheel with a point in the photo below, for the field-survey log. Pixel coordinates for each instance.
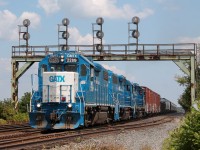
(86, 124)
(86, 121)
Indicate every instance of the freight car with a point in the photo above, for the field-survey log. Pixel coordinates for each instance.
(152, 101)
(74, 91)
(167, 106)
(173, 107)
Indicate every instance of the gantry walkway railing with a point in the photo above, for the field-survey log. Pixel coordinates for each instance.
(178, 53)
(119, 51)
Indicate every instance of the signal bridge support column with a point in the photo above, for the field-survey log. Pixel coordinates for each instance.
(190, 71)
(17, 72)
(192, 82)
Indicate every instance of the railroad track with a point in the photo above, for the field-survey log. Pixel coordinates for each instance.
(16, 131)
(36, 140)
(10, 128)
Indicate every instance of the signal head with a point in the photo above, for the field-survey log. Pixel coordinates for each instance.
(26, 36)
(99, 47)
(135, 20)
(135, 34)
(26, 22)
(100, 21)
(65, 21)
(65, 35)
(100, 34)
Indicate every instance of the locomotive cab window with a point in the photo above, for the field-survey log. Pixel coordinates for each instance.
(105, 75)
(96, 73)
(128, 87)
(83, 70)
(70, 68)
(91, 71)
(140, 92)
(114, 79)
(56, 68)
(134, 88)
(44, 68)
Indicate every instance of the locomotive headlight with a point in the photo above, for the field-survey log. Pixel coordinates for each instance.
(62, 56)
(38, 105)
(62, 60)
(69, 105)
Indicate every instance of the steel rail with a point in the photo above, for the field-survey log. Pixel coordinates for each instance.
(39, 140)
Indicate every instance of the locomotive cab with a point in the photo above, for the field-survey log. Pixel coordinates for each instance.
(57, 104)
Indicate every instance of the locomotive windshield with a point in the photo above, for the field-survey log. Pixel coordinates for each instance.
(70, 67)
(56, 68)
(67, 67)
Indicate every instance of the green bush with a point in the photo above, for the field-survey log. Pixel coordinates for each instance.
(2, 122)
(20, 117)
(24, 102)
(187, 136)
(7, 110)
(9, 114)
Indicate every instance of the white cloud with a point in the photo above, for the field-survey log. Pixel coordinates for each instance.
(49, 6)
(189, 39)
(9, 28)
(114, 69)
(94, 8)
(77, 38)
(33, 17)
(119, 72)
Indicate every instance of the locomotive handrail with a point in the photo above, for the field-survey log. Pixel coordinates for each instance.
(80, 99)
(80, 103)
(109, 49)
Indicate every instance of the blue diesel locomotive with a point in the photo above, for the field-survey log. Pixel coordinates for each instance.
(74, 91)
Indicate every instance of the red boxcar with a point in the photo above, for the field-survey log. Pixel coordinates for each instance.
(152, 101)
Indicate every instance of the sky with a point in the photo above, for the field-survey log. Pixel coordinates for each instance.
(161, 22)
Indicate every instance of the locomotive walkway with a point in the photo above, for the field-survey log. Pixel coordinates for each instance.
(178, 53)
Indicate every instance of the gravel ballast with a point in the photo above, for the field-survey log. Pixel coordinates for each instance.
(150, 138)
